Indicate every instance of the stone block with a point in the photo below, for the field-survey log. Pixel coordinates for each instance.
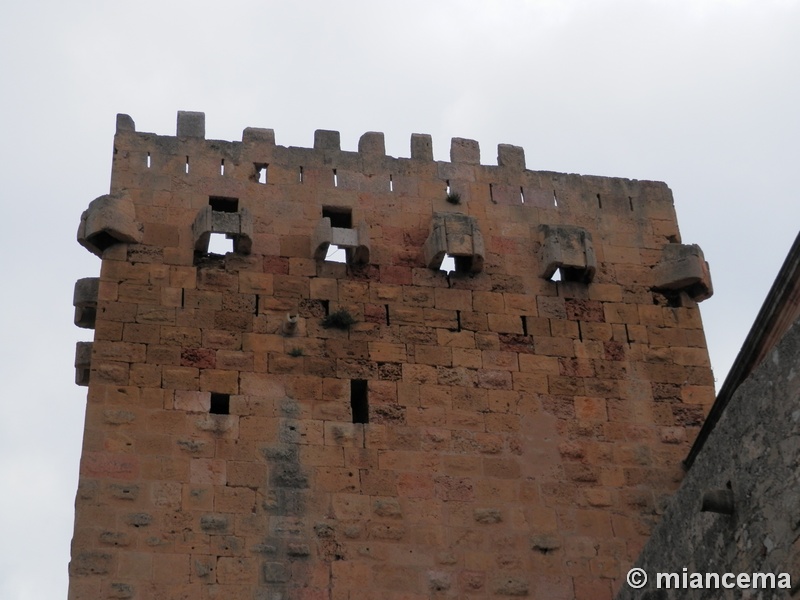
(191, 124)
(372, 144)
(456, 235)
(421, 146)
(258, 135)
(109, 220)
(125, 123)
(568, 248)
(465, 151)
(510, 156)
(683, 268)
(84, 299)
(326, 140)
(83, 362)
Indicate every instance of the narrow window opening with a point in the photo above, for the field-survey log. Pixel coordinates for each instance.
(359, 403)
(521, 195)
(630, 202)
(491, 192)
(580, 332)
(301, 174)
(447, 189)
(627, 333)
(391, 184)
(261, 172)
(599, 201)
(148, 160)
(555, 199)
(220, 404)
(524, 325)
(187, 165)
(335, 179)
(326, 306)
(219, 243)
(458, 320)
(183, 297)
(223, 204)
(386, 307)
(222, 166)
(255, 309)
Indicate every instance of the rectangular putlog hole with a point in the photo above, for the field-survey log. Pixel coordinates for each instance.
(220, 404)
(223, 204)
(359, 403)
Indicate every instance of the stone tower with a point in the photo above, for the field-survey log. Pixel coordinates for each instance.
(264, 423)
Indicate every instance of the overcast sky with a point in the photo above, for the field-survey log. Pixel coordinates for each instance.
(702, 94)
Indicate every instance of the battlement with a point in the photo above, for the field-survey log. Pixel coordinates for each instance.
(630, 221)
(507, 183)
(263, 421)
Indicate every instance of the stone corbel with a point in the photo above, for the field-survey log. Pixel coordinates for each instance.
(683, 268)
(83, 362)
(568, 248)
(109, 220)
(455, 235)
(84, 299)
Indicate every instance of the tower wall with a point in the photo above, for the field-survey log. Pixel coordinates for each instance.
(485, 433)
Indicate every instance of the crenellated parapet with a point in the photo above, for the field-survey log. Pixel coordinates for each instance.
(625, 222)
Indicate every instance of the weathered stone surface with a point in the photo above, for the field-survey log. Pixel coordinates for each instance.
(191, 124)
(568, 248)
(109, 220)
(754, 452)
(456, 235)
(421, 146)
(83, 362)
(372, 144)
(510, 156)
(326, 140)
(466, 151)
(683, 268)
(84, 299)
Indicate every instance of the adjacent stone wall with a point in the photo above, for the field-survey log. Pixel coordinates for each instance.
(754, 451)
(522, 433)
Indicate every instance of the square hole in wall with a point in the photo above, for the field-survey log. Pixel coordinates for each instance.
(340, 217)
(223, 204)
(220, 404)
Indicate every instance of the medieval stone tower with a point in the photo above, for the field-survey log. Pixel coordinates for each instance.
(263, 423)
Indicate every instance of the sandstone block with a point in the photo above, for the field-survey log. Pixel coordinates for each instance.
(109, 220)
(683, 268)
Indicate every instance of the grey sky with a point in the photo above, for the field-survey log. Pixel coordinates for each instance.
(702, 94)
